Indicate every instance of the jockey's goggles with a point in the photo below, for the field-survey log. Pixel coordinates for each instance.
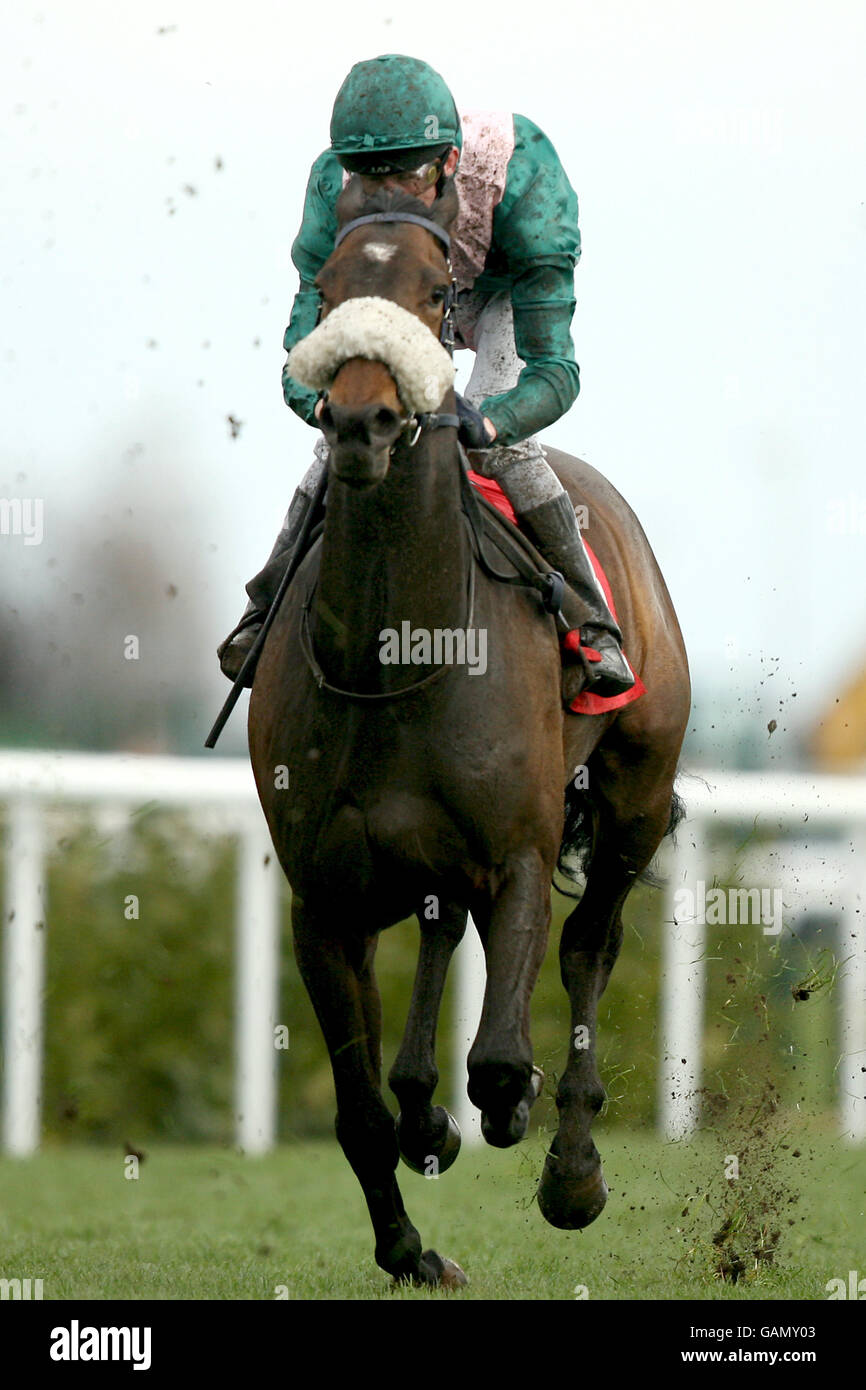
(401, 164)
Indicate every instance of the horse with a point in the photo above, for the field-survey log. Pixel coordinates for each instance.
(436, 788)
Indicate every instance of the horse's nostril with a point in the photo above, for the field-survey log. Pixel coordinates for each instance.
(374, 425)
(385, 419)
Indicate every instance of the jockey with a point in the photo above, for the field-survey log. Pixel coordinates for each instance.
(515, 244)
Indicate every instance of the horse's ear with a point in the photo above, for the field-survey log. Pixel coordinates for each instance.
(446, 206)
(350, 200)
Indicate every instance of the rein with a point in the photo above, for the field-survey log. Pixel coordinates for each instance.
(549, 588)
(319, 676)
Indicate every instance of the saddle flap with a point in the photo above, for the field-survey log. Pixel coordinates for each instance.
(514, 545)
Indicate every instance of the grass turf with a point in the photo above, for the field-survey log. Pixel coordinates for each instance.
(205, 1223)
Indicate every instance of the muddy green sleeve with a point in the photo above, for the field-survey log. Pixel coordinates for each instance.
(535, 231)
(305, 312)
(312, 247)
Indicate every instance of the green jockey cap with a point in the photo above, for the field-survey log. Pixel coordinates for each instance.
(394, 106)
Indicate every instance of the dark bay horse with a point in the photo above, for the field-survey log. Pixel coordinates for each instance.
(448, 797)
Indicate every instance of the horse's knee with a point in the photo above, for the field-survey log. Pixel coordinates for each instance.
(589, 946)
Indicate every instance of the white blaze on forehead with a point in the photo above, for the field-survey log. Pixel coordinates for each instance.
(381, 331)
(379, 251)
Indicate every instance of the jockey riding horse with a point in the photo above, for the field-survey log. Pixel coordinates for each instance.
(514, 248)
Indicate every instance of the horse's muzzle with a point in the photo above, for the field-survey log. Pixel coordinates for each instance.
(360, 439)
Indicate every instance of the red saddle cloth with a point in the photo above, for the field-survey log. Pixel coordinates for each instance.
(586, 702)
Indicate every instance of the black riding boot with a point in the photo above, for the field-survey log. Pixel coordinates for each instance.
(552, 526)
(262, 589)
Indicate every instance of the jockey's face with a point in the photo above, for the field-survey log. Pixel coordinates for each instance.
(421, 183)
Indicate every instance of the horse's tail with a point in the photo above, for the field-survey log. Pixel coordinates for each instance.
(575, 851)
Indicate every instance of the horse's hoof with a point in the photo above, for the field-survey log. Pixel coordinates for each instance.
(452, 1276)
(434, 1271)
(441, 1155)
(570, 1205)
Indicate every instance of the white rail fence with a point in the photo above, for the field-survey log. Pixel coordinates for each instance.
(116, 785)
(773, 803)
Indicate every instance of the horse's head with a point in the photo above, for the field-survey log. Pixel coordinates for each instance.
(377, 350)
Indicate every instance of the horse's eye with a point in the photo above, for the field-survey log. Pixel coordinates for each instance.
(438, 295)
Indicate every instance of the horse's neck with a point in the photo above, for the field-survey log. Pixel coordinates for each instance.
(393, 554)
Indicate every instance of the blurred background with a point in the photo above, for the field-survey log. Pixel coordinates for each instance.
(154, 165)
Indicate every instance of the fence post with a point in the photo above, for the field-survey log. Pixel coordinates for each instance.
(24, 968)
(852, 993)
(682, 987)
(471, 969)
(256, 1003)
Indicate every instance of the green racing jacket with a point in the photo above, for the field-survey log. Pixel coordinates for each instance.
(534, 247)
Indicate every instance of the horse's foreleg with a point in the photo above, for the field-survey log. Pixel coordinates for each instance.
(513, 925)
(572, 1191)
(428, 1136)
(338, 975)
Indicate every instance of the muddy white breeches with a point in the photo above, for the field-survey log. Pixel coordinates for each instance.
(521, 470)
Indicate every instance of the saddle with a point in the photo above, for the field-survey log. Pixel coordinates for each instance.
(527, 566)
(490, 525)
(491, 517)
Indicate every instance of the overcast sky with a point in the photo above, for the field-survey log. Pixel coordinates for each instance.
(154, 161)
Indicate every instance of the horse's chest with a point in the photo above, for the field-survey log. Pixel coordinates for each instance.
(385, 796)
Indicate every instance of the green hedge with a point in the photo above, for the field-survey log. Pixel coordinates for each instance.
(139, 1013)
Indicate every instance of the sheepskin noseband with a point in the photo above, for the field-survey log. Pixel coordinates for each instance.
(381, 331)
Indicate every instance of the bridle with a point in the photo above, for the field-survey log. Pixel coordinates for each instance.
(416, 423)
(426, 420)
(446, 332)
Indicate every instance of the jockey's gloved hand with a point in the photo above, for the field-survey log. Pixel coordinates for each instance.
(473, 433)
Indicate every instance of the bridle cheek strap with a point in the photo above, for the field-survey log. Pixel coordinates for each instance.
(446, 332)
